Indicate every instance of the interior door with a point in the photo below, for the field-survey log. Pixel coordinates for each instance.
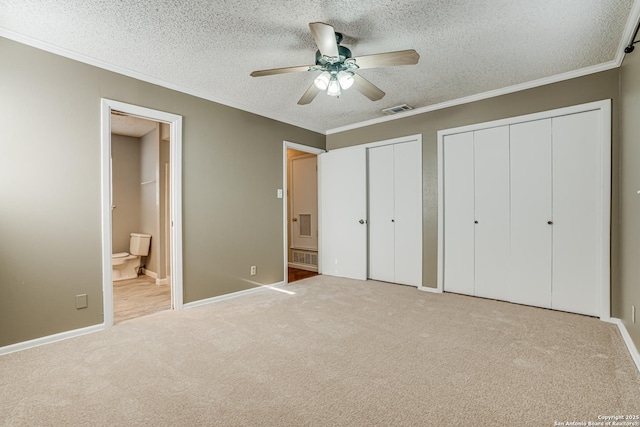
(491, 172)
(381, 214)
(343, 195)
(531, 220)
(304, 203)
(458, 213)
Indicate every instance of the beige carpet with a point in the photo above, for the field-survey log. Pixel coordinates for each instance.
(330, 352)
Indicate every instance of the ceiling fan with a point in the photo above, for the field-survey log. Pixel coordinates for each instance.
(338, 66)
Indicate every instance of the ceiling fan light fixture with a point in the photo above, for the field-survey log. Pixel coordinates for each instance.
(346, 79)
(334, 87)
(322, 81)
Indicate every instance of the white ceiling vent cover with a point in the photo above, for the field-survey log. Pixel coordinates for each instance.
(397, 109)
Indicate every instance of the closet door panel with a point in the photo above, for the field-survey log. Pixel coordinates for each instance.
(381, 213)
(458, 213)
(531, 235)
(491, 154)
(408, 213)
(576, 230)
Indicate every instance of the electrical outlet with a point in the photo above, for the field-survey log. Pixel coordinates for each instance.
(254, 270)
(633, 314)
(81, 301)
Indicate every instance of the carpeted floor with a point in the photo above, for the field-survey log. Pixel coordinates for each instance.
(329, 351)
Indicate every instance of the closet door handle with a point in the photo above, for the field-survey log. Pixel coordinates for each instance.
(550, 222)
(475, 222)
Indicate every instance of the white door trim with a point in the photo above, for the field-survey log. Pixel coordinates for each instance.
(175, 165)
(285, 203)
(604, 107)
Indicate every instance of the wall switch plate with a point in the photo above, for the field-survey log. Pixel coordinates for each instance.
(81, 301)
(254, 270)
(279, 193)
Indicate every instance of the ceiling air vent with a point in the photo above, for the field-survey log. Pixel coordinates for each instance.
(397, 109)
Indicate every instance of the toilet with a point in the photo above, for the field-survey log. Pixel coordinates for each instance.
(125, 265)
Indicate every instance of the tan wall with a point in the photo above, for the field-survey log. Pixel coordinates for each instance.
(576, 91)
(125, 155)
(629, 220)
(50, 205)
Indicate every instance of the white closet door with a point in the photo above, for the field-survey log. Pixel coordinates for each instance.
(576, 230)
(343, 189)
(408, 213)
(458, 213)
(381, 214)
(531, 186)
(491, 154)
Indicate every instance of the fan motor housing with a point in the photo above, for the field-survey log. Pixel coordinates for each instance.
(344, 53)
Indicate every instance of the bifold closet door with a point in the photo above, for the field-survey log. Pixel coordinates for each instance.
(407, 158)
(576, 204)
(395, 213)
(459, 246)
(491, 173)
(381, 214)
(531, 222)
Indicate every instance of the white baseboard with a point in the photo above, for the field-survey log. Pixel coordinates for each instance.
(633, 350)
(154, 275)
(50, 339)
(258, 288)
(303, 267)
(428, 289)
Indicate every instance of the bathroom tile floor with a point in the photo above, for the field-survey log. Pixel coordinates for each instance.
(139, 297)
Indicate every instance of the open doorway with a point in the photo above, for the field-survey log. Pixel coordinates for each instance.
(140, 195)
(301, 211)
(142, 253)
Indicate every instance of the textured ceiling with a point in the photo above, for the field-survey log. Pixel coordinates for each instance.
(131, 126)
(204, 47)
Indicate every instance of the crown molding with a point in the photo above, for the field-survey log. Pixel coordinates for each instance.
(485, 95)
(634, 16)
(630, 26)
(48, 47)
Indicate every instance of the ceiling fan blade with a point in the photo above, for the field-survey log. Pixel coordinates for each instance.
(284, 70)
(400, 57)
(309, 95)
(325, 37)
(367, 88)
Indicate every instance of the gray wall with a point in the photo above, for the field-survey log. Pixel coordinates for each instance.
(593, 87)
(628, 289)
(125, 158)
(50, 227)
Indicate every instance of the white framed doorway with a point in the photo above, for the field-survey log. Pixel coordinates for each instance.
(285, 202)
(175, 204)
